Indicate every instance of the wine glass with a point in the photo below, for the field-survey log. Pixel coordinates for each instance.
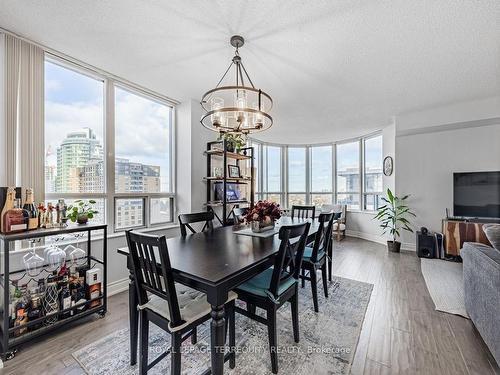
(76, 253)
(32, 261)
(55, 257)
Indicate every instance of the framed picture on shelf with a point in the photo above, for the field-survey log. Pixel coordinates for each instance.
(233, 171)
(232, 192)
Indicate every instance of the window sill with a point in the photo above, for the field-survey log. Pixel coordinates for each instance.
(142, 230)
(365, 212)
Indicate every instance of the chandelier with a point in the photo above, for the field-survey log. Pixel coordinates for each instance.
(239, 108)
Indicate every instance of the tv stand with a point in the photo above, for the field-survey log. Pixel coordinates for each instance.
(459, 230)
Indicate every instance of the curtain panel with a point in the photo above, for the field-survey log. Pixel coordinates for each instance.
(23, 115)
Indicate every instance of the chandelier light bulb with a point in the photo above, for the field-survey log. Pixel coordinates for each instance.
(217, 117)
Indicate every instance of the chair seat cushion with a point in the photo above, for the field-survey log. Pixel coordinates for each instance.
(308, 254)
(193, 305)
(336, 225)
(260, 284)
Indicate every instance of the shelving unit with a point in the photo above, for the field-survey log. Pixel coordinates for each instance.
(218, 149)
(9, 342)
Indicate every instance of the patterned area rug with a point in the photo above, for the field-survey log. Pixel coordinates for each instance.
(328, 339)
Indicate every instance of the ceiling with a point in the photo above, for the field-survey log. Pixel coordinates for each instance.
(335, 69)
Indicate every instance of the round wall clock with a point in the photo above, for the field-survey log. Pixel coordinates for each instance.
(388, 165)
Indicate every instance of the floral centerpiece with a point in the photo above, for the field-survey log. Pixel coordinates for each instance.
(263, 215)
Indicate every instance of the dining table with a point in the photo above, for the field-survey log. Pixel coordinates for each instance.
(216, 262)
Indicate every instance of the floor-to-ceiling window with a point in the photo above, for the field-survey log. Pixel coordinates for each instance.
(345, 172)
(348, 174)
(107, 142)
(321, 175)
(297, 176)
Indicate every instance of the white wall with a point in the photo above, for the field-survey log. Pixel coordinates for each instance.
(426, 163)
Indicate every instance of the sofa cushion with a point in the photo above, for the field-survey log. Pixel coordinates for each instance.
(492, 232)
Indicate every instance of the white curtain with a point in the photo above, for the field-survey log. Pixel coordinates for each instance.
(23, 144)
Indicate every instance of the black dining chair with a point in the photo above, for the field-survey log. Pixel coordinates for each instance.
(173, 307)
(303, 212)
(315, 257)
(205, 217)
(273, 287)
(239, 214)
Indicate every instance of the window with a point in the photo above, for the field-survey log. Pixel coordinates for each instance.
(74, 131)
(271, 173)
(76, 161)
(321, 175)
(312, 174)
(348, 174)
(296, 176)
(373, 182)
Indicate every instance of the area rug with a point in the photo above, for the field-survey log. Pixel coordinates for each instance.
(328, 340)
(444, 281)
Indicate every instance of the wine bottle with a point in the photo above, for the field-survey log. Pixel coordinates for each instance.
(32, 211)
(9, 204)
(15, 219)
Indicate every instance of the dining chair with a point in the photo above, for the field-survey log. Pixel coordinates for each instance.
(205, 217)
(303, 212)
(315, 257)
(340, 221)
(270, 289)
(239, 214)
(173, 307)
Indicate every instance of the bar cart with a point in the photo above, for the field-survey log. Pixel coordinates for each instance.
(12, 246)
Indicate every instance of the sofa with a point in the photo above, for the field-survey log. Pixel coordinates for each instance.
(481, 265)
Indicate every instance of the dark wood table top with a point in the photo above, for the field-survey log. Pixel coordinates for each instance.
(214, 256)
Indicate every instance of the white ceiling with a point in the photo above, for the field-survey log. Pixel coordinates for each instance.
(335, 69)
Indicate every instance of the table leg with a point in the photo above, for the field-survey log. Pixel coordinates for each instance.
(133, 321)
(217, 339)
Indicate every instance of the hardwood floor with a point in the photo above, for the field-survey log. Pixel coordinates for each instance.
(402, 333)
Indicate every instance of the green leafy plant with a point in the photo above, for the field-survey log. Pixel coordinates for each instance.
(393, 216)
(234, 141)
(81, 210)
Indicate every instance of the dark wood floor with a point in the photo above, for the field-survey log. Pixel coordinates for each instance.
(402, 333)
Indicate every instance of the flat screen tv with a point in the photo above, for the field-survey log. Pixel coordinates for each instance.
(476, 194)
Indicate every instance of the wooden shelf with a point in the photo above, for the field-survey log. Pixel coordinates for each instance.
(242, 180)
(230, 155)
(220, 203)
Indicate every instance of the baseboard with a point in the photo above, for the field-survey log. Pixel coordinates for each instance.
(406, 246)
(366, 236)
(118, 286)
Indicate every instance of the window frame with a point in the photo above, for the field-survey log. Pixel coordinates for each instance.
(109, 195)
(365, 194)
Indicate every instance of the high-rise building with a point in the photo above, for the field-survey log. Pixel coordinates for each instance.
(77, 150)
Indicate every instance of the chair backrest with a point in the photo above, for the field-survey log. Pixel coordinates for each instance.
(239, 213)
(152, 271)
(289, 259)
(185, 219)
(303, 212)
(339, 211)
(323, 235)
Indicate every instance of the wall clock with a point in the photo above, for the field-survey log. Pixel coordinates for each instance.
(388, 165)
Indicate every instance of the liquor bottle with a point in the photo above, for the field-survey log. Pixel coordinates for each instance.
(65, 300)
(9, 204)
(49, 216)
(35, 311)
(21, 313)
(41, 215)
(14, 298)
(32, 211)
(15, 219)
(61, 211)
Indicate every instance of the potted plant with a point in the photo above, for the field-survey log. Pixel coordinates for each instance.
(263, 216)
(234, 141)
(81, 211)
(393, 217)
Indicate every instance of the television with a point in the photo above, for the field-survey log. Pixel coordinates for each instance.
(476, 194)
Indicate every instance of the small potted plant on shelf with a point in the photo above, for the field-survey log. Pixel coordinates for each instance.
(81, 211)
(234, 141)
(393, 217)
(263, 216)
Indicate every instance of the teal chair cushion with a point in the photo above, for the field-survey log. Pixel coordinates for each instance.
(308, 254)
(260, 284)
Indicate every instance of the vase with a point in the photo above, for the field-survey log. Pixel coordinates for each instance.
(260, 226)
